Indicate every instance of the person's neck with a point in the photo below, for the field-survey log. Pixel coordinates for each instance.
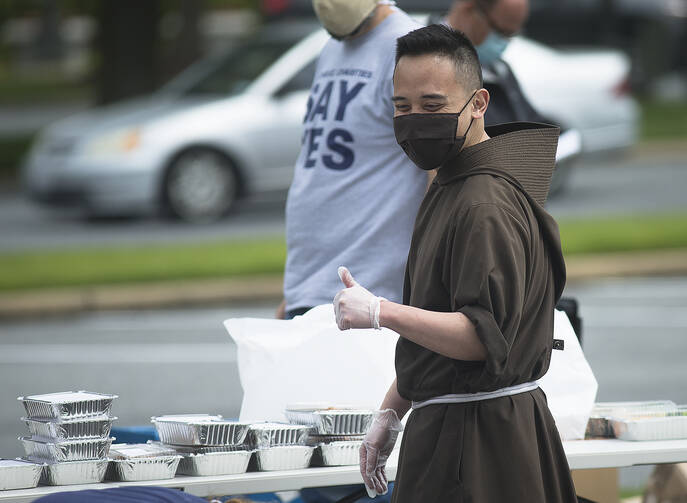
(381, 13)
(476, 135)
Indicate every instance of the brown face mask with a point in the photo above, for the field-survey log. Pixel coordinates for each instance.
(430, 140)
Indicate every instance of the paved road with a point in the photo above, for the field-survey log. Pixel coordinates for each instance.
(635, 337)
(635, 185)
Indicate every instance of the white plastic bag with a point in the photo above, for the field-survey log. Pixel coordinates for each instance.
(308, 359)
(569, 384)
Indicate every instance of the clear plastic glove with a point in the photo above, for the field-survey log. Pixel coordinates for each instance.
(355, 306)
(376, 449)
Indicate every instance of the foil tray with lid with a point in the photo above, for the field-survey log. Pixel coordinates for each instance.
(19, 474)
(337, 454)
(148, 450)
(70, 450)
(264, 435)
(70, 473)
(315, 440)
(137, 469)
(215, 463)
(70, 429)
(207, 449)
(332, 421)
(200, 429)
(600, 424)
(671, 425)
(67, 405)
(293, 457)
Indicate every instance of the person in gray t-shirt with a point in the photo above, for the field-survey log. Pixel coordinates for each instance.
(354, 194)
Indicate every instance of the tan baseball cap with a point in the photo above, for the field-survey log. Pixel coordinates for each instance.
(342, 17)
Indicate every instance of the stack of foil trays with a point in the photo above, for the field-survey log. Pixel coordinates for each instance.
(280, 446)
(337, 432)
(69, 434)
(208, 444)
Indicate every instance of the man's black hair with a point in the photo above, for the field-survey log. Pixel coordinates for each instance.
(445, 41)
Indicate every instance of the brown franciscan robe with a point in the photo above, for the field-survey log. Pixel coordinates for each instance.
(484, 246)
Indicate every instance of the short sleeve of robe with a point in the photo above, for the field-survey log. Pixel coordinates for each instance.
(486, 277)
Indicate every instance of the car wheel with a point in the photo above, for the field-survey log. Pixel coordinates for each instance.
(201, 185)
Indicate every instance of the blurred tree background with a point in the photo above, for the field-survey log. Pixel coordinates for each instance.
(59, 56)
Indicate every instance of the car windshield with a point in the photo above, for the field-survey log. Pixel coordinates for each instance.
(231, 72)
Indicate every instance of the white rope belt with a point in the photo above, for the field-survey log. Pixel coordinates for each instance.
(476, 397)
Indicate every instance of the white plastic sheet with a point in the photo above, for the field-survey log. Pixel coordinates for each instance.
(569, 384)
(308, 359)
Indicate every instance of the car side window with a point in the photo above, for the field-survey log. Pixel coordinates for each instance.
(301, 81)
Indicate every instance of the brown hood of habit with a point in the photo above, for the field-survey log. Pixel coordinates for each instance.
(524, 154)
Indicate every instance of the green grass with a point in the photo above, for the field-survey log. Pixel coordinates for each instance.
(25, 271)
(46, 87)
(140, 264)
(651, 232)
(663, 121)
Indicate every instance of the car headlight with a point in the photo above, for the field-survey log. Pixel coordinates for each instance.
(121, 141)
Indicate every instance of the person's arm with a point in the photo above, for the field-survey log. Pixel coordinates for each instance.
(394, 401)
(280, 313)
(449, 334)
(431, 175)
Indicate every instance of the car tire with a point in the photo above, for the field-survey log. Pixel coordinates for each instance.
(201, 185)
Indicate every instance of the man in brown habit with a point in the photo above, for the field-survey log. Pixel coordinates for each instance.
(484, 273)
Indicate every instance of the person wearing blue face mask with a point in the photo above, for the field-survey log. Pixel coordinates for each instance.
(490, 25)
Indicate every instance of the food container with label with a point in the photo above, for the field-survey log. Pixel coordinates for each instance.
(295, 457)
(200, 429)
(19, 474)
(670, 425)
(70, 450)
(148, 450)
(600, 424)
(67, 405)
(74, 472)
(264, 435)
(71, 429)
(215, 463)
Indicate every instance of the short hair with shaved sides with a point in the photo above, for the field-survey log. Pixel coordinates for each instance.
(444, 41)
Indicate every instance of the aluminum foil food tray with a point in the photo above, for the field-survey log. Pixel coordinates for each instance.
(19, 474)
(73, 429)
(138, 469)
(132, 451)
(71, 450)
(67, 405)
(333, 421)
(264, 435)
(200, 429)
(671, 426)
(74, 472)
(315, 440)
(600, 425)
(201, 449)
(215, 463)
(295, 457)
(337, 454)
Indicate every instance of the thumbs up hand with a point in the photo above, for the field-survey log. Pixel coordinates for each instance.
(355, 306)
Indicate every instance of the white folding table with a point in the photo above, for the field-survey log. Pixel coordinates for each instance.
(581, 454)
